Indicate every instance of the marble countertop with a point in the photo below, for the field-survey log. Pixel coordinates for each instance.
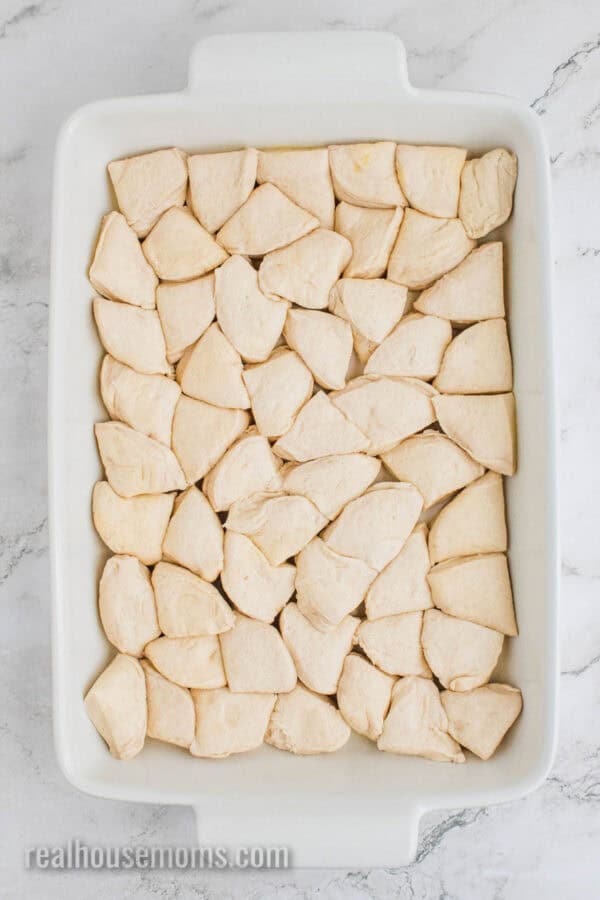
(58, 54)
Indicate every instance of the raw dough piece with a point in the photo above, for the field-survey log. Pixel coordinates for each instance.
(372, 306)
(258, 589)
(136, 464)
(461, 654)
(471, 292)
(190, 662)
(249, 466)
(194, 538)
(306, 723)
(426, 249)
(179, 248)
(147, 185)
(304, 272)
(279, 524)
(116, 704)
(473, 522)
(255, 658)
(320, 429)
(212, 370)
(363, 695)
(402, 586)
(252, 321)
(186, 310)
(318, 656)
(433, 463)
(416, 724)
(476, 588)
(372, 234)
(229, 723)
(479, 719)
(332, 481)
(202, 433)
(171, 715)
(487, 185)
(126, 605)
(365, 174)
(478, 361)
(430, 178)
(303, 175)
(188, 606)
(483, 425)
(323, 341)
(266, 221)
(414, 348)
(133, 336)
(277, 389)
(119, 270)
(133, 526)
(219, 184)
(393, 644)
(144, 402)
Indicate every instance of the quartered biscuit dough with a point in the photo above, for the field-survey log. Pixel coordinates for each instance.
(179, 248)
(472, 522)
(372, 234)
(147, 185)
(188, 606)
(430, 178)
(415, 348)
(478, 361)
(365, 174)
(119, 270)
(471, 292)
(193, 662)
(303, 722)
(194, 536)
(486, 192)
(133, 336)
(256, 659)
(373, 306)
(126, 605)
(461, 654)
(116, 704)
(479, 719)
(402, 586)
(171, 715)
(364, 695)
(426, 249)
(219, 184)
(136, 464)
(186, 309)
(249, 466)
(303, 175)
(318, 655)
(320, 429)
(202, 433)
(131, 526)
(278, 388)
(332, 481)
(211, 370)
(255, 587)
(393, 644)
(483, 425)
(324, 343)
(144, 402)
(228, 722)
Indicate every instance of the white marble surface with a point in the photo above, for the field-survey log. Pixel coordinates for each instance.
(58, 54)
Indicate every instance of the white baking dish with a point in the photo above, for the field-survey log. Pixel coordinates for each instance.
(356, 808)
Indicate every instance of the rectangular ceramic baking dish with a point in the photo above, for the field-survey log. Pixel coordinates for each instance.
(355, 808)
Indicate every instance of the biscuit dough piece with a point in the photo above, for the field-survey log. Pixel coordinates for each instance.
(393, 644)
(254, 586)
(116, 704)
(186, 310)
(364, 174)
(212, 370)
(304, 272)
(266, 221)
(472, 522)
(372, 234)
(320, 429)
(119, 270)
(476, 588)
(483, 425)
(194, 537)
(144, 402)
(373, 307)
(363, 695)
(193, 662)
(479, 719)
(386, 409)
(188, 606)
(478, 361)
(374, 527)
(251, 320)
(179, 248)
(487, 185)
(147, 185)
(430, 178)
(471, 292)
(219, 184)
(202, 433)
(279, 524)
(229, 723)
(306, 723)
(133, 526)
(126, 605)
(434, 464)
(426, 249)
(328, 585)
(332, 481)
(323, 341)
(415, 348)
(249, 466)
(171, 715)
(136, 464)
(402, 586)
(461, 654)
(318, 656)
(303, 176)
(255, 658)
(416, 724)
(133, 336)
(277, 389)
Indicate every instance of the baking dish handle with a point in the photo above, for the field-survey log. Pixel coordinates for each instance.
(320, 839)
(276, 66)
